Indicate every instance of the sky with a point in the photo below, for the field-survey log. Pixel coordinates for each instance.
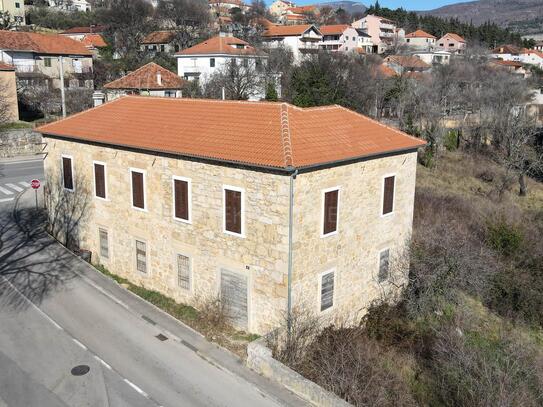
(393, 4)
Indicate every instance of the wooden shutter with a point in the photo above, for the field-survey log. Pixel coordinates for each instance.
(384, 260)
(388, 195)
(138, 199)
(330, 211)
(232, 211)
(100, 180)
(327, 291)
(181, 199)
(67, 173)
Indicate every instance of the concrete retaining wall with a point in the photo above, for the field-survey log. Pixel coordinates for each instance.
(19, 142)
(259, 358)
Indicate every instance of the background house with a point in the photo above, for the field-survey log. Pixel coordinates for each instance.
(301, 39)
(16, 10)
(160, 41)
(150, 80)
(338, 37)
(36, 58)
(406, 64)
(420, 40)
(434, 57)
(452, 43)
(383, 31)
(278, 7)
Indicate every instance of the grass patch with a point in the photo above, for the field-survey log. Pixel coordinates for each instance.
(15, 126)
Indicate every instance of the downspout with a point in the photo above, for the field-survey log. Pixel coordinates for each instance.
(290, 227)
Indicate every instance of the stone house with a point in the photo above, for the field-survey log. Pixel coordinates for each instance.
(36, 58)
(150, 80)
(9, 110)
(160, 42)
(267, 205)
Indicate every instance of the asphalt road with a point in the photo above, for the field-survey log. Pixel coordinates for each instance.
(16, 176)
(53, 318)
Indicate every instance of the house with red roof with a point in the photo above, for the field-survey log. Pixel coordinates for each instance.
(160, 42)
(212, 55)
(420, 40)
(149, 80)
(36, 58)
(452, 42)
(267, 206)
(339, 37)
(302, 39)
(407, 64)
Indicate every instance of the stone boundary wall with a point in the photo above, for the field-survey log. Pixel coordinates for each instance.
(20, 142)
(260, 359)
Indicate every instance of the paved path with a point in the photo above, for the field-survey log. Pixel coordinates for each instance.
(15, 176)
(57, 312)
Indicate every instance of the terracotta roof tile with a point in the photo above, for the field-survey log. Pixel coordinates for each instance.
(85, 30)
(159, 37)
(41, 43)
(419, 34)
(383, 71)
(455, 36)
(507, 49)
(93, 41)
(287, 30)
(220, 45)
(407, 61)
(253, 133)
(302, 9)
(146, 78)
(333, 29)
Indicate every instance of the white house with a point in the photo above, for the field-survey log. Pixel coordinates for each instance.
(72, 5)
(420, 40)
(434, 57)
(516, 54)
(338, 37)
(204, 59)
(365, 44)
(301, 39)
(278, 7)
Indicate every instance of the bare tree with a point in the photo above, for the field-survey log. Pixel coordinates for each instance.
(241, 79)
(188, 17)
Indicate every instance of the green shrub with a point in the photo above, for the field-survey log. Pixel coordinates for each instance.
(506, 239)
(451, 140)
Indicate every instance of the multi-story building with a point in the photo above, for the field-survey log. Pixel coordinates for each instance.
(420, 40)
(266, 205)
(301, 39)
(149, 80)
(365, 43)
(16, 10)
(452, 43)
(37, 57)
(383, 31)
(338, 37)
(278, 7)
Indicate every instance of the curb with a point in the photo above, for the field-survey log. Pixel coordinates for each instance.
(22, 158)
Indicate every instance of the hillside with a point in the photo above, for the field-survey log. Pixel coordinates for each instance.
(525, 16)
(350, 7)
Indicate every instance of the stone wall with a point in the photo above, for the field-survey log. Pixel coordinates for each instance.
(260, 359)
(20, 142)
(261, 255)
(362, 232)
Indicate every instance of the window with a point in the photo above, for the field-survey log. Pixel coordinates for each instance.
(451, 44)
(212, 62)
(233, 210)
(67, 173)
(181, 199)
(17, 5)
(162, 48)
(170, 93)
(384, 261)
(330, 211)
(138, 188)
(47, 62)
(100, 180)
(141, 256)
(327, 290)
(245, 62)
(388, 194)
(104, 243)
(183, 271)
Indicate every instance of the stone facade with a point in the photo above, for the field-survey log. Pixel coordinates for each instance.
(262, 255)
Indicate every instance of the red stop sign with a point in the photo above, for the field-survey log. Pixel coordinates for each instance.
(35, 183)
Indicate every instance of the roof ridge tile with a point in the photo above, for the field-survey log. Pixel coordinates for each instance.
(285, 135)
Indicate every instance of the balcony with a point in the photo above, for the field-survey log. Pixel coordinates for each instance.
(25, 68)
(308, 47)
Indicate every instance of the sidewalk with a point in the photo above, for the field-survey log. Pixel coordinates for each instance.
(22, 158)
(177, 331)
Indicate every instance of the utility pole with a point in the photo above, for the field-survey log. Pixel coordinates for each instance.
(62, 94)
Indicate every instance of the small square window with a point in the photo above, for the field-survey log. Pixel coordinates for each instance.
(17, 5)
(212, 62)
(47, 62)
(183, 272)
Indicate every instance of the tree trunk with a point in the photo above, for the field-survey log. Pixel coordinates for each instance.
(523, 190)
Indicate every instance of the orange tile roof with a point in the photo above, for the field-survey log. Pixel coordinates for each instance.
(507, 49)
(41, 43)
(507, 63)
(85, 30)
(295, 17)
(220, 45)
(146, 78)
(159, 37)
(301, 9)
(455, 36)
(287, 30)
(407, 61)
(6, 67)
(276, 135)
(383, 71)
(333, 29)
(532, 51)
(419, 34)
(94, 41)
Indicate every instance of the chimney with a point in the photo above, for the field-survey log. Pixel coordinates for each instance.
(159, 79)
(98, 98)
(223, 34)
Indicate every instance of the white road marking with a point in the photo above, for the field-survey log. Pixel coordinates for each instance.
(15, 187)
(6, 191)
(140, 391)
(79, 344)
(24, 184)
(102, 362)
(6, 199)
